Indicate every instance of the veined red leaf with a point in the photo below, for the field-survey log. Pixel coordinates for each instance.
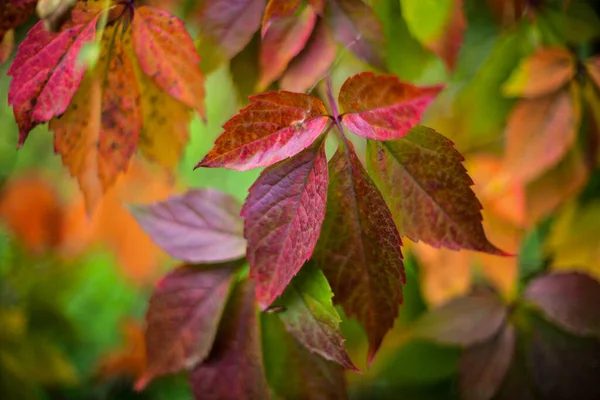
(183, 317)
(283, 215)
(359, 248)
(355, 25)
(313, 62)
(285, 38)
(382, 107)
(202, 225)
(569, 300)
(277, 9)
(234, 369)
(166, 54)
(273, 127)
(427, 188)
(484, 366)
(309, 316)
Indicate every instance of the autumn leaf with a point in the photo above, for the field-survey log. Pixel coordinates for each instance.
(544, 72)
(428, 190)
(200, 226)
(273, 127)
(382, 107)
(129, 360)
(277, 9)
(234, 369)
(359, 248)
(309, 315)
(182, 318)
(283, 215)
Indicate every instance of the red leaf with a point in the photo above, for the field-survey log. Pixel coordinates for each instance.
(45, 71)
(359, 248)
(428, 190)
(464, 321)
(277, 9)
(275, 126)
(355, 25)
(234, 369)
(484, 366)
(285, 38)
(202, 225)
(568, 299)
(167, 54)
(183, 317)
(283, 216)
(382, 107)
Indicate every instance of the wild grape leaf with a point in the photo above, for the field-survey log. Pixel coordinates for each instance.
(226, 27)
(285, 38)
(569, 300)
(309, 315)
(200, 226)
(539, 132)
(277, 9)
(359, 248)
(463, 321)
(294, 372)
(427, 188)
(13, 13)
(274, 126)
(182, 318)
(484, 366)
(283, 215)
(234, 369)
(382, 107)
(540, 74)
(312, 63)
(355, 25)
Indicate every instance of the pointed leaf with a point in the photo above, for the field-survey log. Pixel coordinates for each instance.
(382, 107)
(568, 299)
(234, 369)
(309, 316)
(428, 190)
(202, 225)
(277, 9)
(484, 366)
(355, 25)
(283, 215)
(545, 71)
(273, 127)
(182, 318)
(359, 248)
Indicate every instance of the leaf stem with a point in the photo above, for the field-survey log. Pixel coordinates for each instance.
(334, 110)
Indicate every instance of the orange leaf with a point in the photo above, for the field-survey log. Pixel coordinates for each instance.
(277, 9)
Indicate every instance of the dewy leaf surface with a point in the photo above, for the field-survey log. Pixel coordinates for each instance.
(283, 215)
(234, 369)
(382, 107)
(427, 188)
(277, 9)
(202, 225)
(183, 317)
(359, 248)
(309, 316)
(568, 299)
(275, 126)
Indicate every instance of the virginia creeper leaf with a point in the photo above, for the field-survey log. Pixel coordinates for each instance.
(285, 38)
(312, 63)
(539, 132)
(359, 248)
(277, 9)
(463, 321)
(427, 188)
(309, 316)
(355, 25)
(382, 107)
(202, 225)
(484, 366)
(182, 318)
(544, 72)
(568, 299)
(294, 372)
(283, 215)
(274, 126)
(234, 369)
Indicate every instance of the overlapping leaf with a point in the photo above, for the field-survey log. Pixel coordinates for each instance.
(277, 9)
